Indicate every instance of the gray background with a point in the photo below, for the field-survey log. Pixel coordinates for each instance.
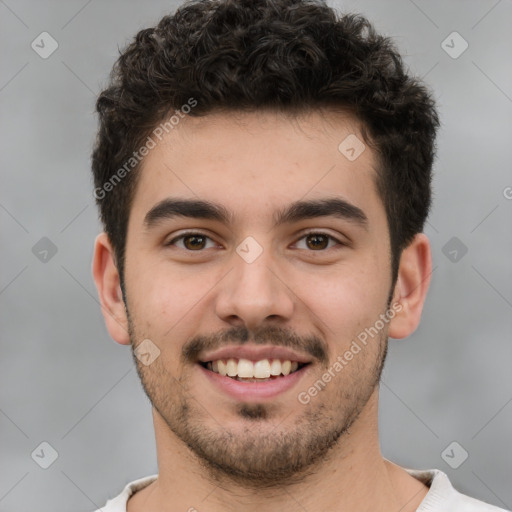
(64, 381)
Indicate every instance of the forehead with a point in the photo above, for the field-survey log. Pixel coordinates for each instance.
(257, 163)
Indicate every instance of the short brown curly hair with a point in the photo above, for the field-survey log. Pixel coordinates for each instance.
(286, 55)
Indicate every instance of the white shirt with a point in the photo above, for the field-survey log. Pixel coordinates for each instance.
(441, 497)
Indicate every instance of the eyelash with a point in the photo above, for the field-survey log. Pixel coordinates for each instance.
(304, 235)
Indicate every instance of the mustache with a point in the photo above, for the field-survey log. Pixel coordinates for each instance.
(268, 335)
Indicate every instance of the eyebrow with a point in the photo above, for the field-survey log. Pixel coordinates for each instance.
(170, 208)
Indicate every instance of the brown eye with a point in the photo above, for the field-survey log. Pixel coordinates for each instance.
(317, 241)
(192, 242)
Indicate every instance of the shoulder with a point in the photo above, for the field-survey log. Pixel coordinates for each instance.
(118, 503)
(443, 497)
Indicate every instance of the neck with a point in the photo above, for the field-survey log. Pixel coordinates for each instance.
(355, 476)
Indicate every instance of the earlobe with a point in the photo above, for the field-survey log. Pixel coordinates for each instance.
(106, 278)
(411, 287)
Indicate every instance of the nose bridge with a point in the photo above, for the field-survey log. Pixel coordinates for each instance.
(254, 291)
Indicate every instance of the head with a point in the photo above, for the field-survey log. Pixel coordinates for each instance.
(245, 109)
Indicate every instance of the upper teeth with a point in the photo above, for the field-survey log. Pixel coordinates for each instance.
(245, 368)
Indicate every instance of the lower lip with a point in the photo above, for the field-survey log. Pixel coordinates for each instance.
(254, 390)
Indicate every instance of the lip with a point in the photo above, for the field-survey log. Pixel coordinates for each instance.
(255, 353)
(254, 391)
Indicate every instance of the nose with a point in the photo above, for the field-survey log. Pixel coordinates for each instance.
(255, 293)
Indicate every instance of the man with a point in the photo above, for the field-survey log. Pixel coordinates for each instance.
(263, 173)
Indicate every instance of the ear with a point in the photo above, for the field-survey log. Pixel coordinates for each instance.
(106, 277)
(411, 286)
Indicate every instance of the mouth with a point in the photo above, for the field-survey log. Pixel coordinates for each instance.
(254, 373)
(245, 370)
(257, 381)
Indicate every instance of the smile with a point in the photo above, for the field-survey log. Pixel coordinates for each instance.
(253, 371)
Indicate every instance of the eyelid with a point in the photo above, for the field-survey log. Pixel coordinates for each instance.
(302, 235)
(312, 231)
(323, 233)
(188, 233)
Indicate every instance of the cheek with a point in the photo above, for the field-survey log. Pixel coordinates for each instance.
(165, 294)
(160, 307)
(171, 307)
(345, 301)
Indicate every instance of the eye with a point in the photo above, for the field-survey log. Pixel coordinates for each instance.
(192, 241)
(318, 241)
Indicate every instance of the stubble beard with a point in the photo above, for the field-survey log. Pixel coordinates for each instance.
(256, 456)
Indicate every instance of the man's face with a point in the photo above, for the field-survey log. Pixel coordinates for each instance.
(250, 288)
